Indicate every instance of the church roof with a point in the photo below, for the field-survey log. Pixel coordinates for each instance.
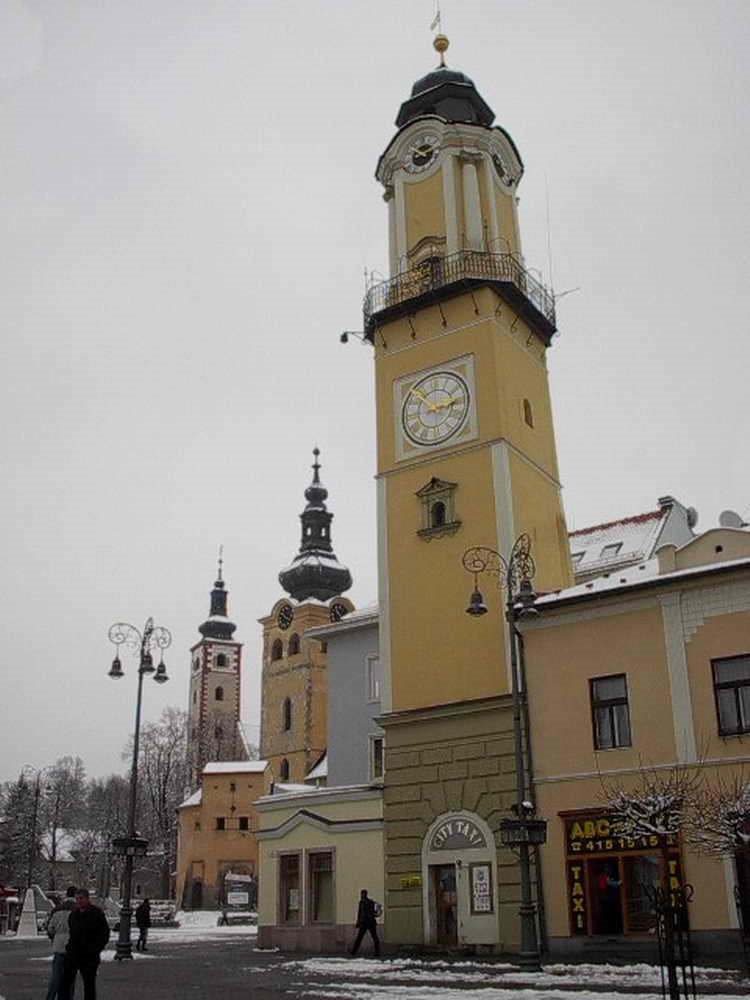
(218, 625)
(445, 92)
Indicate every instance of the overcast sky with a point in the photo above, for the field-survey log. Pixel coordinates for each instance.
(187, 205)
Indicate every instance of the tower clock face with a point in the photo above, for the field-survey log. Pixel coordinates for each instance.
(338, 611)
(435, 408)
(285, 616)
(422, 152)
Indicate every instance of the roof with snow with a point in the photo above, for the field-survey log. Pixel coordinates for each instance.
(236, 767)
(193, 800)
(320, 770)
(360, 618)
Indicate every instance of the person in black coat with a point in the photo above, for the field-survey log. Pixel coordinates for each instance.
(143, 920)
(366, 921)
(89, 934)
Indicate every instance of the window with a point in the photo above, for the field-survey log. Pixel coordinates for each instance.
(610, 712)
(609, 551)
(376, 757)
(732, 692)
(284, 770)
(289, 889)
(219, 694)
(244, 823)
(437, 514)
(221, 823)
(373, 678)
(286, 714)
(293, 644)
(197, 824)
(221, 660)
(576, 557)
(195, 697)
(528, 413)
(324, 647)
(277, 650)
(320, 881)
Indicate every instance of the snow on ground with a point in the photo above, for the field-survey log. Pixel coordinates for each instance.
(492, 975)
(199, 925)
(367, 991)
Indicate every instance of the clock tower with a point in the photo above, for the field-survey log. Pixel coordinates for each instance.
(466, 456)
(214, 706)
(294, 725)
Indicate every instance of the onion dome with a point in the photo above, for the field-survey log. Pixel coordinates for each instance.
(218, 625)
(315, 570)
(445, 92)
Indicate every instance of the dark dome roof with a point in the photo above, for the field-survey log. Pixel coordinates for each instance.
(443, 74)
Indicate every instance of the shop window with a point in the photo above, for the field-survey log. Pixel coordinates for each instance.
(374, 678)
(293, 644)
(277, 650)
(528, 413)
(610, 712)
(286, 714)
(221, 660)
(289, 889)
(732, 692)
(221, 823)
(219, 694)
(284, 770)
(320, 881)
(244, 823)
(377, 760)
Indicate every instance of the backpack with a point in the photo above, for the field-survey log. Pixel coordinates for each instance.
(377, 908)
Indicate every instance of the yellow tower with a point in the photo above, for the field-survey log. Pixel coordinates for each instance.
(466, 456)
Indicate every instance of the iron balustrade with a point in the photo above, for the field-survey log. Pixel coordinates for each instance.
(464, 266)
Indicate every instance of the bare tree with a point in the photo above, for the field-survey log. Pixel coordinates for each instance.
(719, 823)
(106, 818)
(62, 807)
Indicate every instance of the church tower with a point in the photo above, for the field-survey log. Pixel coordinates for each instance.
(466, 457)
(214, 703)
(294, 724)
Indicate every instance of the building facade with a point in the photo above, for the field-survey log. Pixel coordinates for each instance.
(217, 828)
(637, 676)
(214, 699)
(466, 456)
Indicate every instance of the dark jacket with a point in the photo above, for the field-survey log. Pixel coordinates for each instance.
(89, 932)
(366, 913)
(143, 915)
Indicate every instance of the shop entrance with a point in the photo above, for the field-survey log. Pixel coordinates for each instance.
(444, 890)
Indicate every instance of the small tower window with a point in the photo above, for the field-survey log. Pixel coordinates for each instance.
(287, 714)
(293, 644)
(219, 694)
(437, 514)
(221, 660)
(528, 413)
(277, 650)
(195, 697)
(284, 770)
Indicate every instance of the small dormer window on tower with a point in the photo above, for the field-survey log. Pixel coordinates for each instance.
(438, 509)
(221, 660)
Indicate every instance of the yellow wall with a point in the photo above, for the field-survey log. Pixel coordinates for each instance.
(424, 209)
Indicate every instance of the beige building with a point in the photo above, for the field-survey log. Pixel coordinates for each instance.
(645, 668)
(217, 831)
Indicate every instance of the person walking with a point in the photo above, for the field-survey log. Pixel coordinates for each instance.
(58, 932)
(367, 920)
(143, 920)
(89, 934)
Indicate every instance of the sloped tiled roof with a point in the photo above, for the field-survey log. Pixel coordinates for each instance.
(616, 543)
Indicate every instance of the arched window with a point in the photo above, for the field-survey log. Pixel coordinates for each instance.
(219, 694)
(528, 413)
(287, 714)
(195, 697)
(221, 660)
(293, 644)
(277, 650)
(284, 770)
(437, 514)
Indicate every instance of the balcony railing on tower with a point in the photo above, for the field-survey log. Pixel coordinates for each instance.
(439, 278)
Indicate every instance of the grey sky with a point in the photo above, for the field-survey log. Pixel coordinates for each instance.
(186, 208)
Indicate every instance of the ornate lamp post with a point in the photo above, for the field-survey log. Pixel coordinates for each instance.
(514, 575)
(132, 846)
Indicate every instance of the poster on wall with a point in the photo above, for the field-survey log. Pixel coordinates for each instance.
(481, 888)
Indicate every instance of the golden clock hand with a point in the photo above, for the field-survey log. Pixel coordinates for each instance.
(449, 402)
(431, 406)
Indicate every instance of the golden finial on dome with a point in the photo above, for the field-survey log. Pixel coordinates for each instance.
(440, 44)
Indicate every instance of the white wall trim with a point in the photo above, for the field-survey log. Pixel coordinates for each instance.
(449, 203)
(384, 597)
(550, 619)
(708, 602)
(472, 205)
(399, 198)
(505, 529)
(489, 184)
(679, 680)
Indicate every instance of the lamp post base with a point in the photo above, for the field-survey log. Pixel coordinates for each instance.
(124, 950)
(124, 944)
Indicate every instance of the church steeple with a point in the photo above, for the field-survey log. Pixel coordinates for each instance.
(315, 571)
(218, 625)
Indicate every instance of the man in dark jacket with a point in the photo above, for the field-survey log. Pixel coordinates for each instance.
(89, 934)
(143, 920)
(366, 921)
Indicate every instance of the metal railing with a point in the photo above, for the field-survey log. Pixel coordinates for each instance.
(465, 265)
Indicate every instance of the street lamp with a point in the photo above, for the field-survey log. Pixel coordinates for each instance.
(132, 846)
(514, 575)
